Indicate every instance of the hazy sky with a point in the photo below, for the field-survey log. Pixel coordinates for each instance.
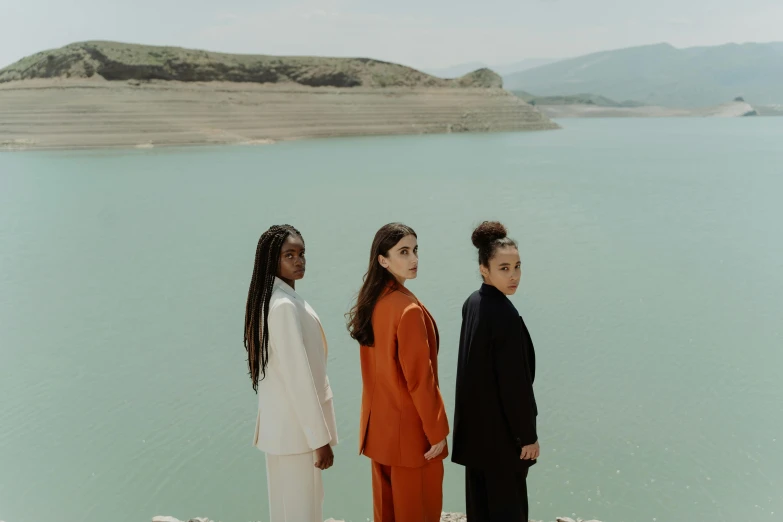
(420, 33)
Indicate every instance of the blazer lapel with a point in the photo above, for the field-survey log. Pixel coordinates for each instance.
(434, 326)
(284, 287)
(323, 336)
(391, 286)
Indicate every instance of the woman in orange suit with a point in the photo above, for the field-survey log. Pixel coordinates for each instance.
(403, 425)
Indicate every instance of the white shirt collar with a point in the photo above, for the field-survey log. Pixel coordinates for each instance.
(285, 287)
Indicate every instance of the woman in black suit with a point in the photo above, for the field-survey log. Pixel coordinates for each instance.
(495, 414)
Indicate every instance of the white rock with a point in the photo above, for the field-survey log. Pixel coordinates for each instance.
(452, 517)
(165, 519)
(564, 519)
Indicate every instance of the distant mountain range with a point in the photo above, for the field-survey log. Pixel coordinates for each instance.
(664, 75)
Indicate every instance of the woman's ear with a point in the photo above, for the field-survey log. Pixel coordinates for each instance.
(383, 261)
(484, 271)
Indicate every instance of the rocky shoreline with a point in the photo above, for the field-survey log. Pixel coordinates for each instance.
(95, 113)
(445, 517)
(735, 109)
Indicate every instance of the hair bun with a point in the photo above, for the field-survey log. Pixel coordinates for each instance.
(487, 232)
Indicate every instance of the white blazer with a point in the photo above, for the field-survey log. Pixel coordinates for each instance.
(295, 410)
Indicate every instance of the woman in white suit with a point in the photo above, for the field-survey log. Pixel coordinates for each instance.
(287, 350)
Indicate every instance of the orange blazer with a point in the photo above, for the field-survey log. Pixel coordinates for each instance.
(402, 409)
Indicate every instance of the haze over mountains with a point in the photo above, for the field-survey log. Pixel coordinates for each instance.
(657, 74)
(462, 69)
(664, 75)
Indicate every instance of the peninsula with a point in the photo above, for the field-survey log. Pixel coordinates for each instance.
(109, 94)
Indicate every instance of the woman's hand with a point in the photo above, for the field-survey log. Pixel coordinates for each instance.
(530, 452)
(436, 450)
(324, 457)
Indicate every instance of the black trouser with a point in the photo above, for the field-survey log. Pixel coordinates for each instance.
(496, 496)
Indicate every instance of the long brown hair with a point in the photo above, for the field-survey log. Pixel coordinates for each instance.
(374, 282)
(258, 297)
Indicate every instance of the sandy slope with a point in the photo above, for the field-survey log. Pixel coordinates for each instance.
(57, 113)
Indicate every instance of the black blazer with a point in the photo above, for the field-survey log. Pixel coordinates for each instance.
(495, 411)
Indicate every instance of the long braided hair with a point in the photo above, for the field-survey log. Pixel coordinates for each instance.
(258, 297)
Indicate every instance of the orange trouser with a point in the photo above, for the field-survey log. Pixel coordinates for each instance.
(407, 494)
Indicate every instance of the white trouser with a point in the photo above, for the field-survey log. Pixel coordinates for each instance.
(296, 492)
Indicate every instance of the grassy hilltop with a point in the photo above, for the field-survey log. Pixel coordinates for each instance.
(120, 61)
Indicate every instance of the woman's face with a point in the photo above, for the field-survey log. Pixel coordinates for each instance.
(403, 259)
(504, 271)
(292, 259)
